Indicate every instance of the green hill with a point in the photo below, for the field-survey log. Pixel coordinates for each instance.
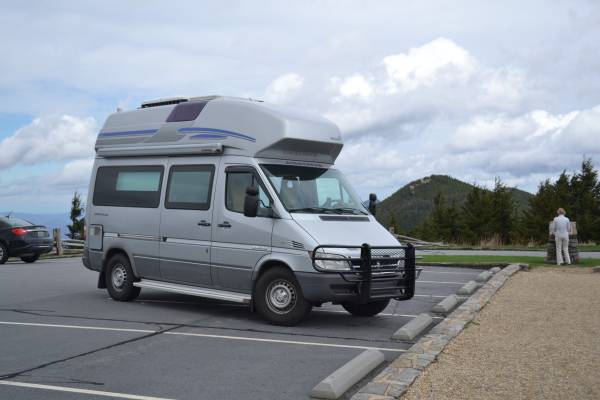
(412, 203)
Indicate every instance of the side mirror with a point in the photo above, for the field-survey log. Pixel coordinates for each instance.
(373, 203)
(251, 202)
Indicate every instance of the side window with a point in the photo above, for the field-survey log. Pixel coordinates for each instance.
(190, 187)
(128, 186)
(235, 191)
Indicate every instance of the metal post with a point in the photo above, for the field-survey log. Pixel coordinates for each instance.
(410, 269)
(365, 268)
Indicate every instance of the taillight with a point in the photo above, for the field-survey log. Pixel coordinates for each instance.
(19, 231)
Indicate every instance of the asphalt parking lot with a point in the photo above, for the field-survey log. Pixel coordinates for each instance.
(61, 338)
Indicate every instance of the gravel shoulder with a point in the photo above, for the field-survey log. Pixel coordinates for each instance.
(538, 338)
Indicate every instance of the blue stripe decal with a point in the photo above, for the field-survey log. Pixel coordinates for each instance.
(214, 132)
(129, 133)
(209, 136)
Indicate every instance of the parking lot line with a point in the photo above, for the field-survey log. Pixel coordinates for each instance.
(442, 282)
(81, 391)
(205, 335)
(97, 328)
(380, 314)
(346, 346)
(435, 296)
(450, 273)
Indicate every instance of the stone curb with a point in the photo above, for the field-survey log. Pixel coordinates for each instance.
(412, 329)
(467, 288)
(347, 375)
(395, 379)
(484, 276)
(445, 305)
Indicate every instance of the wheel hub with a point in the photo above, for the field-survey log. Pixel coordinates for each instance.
(119, 276)
(281, 297)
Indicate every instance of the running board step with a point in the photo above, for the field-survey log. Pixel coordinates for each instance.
(195, 291)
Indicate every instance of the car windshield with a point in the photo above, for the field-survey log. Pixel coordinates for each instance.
(313, 190)
(14, 221)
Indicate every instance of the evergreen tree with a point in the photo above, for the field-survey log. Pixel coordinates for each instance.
(585, 204)
(476, 215)
(77, 223)
(502, 209)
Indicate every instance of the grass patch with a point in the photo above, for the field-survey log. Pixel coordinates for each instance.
(477, 259)
(581, 247)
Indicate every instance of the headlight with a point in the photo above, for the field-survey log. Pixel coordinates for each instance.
(334, 262)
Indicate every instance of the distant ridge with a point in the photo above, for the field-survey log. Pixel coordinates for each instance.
(413, 203)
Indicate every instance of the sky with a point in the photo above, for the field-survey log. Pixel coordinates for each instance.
(472, 89)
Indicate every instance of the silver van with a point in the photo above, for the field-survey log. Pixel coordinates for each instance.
(235, 199)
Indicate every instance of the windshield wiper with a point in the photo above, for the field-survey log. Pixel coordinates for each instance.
(318, 210)
(342, 210)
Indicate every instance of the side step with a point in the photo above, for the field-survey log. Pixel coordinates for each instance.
(195, 291)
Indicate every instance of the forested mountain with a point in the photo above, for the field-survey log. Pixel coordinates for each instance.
(414, 202)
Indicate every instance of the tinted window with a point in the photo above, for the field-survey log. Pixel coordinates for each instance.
(235, 191)
(128, 186)
(186, 111)
(190, 187)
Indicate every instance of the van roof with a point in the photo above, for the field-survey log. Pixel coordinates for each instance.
(219, 125)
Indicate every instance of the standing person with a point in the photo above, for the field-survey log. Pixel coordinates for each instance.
(562, 227)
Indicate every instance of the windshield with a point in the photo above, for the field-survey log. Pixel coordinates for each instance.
(313, 190)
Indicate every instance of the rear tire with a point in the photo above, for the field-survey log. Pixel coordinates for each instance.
(30, 259)
(278, 297)
(119, 279)
(3, 253)
(367, 309)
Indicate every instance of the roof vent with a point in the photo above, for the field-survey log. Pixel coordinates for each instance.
(163, 102)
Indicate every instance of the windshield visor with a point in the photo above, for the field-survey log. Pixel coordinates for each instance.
(313, 190)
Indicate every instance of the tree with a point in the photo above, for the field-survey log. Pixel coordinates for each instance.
(77, 223)
(476, 215)
(502, 211)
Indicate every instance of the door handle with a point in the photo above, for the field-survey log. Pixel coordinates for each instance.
(204, 223)
(225, 224)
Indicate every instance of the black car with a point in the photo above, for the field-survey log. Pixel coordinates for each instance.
(20, 238)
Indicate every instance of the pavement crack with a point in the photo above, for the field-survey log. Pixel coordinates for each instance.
(87, 353)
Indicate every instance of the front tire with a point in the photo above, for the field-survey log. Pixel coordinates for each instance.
(30, 259)
(367, 309)
(278, 298)
(119, 279)
(3, 253)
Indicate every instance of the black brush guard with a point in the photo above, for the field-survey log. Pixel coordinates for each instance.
(377, 274)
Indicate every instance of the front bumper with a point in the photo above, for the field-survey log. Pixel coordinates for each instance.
(375, 276)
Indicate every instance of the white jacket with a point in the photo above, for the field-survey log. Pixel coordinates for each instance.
(562, 226)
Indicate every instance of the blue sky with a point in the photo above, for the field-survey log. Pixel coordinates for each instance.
(467, 88)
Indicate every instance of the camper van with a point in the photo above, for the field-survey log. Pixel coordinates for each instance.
(236, 200)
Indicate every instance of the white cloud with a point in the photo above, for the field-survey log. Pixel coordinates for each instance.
(356, 85)
(284, 88)
(424, 65)
(52, 138)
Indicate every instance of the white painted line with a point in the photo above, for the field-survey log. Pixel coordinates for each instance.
(82, 391)
(97, 328)
(441, 282)
(434, 296)
(445, 272)
(382, 314)
(205, 335)
(252, 339)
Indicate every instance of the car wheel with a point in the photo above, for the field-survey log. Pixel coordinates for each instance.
(3, 253)
(367, 309)
(30, 259)
(278, 298)
(119, 279)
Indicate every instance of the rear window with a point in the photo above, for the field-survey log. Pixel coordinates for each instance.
(128, 186)
(14, 221)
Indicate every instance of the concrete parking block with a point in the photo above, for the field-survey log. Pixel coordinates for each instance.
(413, 328)
(496, 269)
(467, 288)
(484, 276)
(446, 305)
(347, 375)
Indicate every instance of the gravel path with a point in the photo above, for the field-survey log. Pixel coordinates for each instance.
(539, 338)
